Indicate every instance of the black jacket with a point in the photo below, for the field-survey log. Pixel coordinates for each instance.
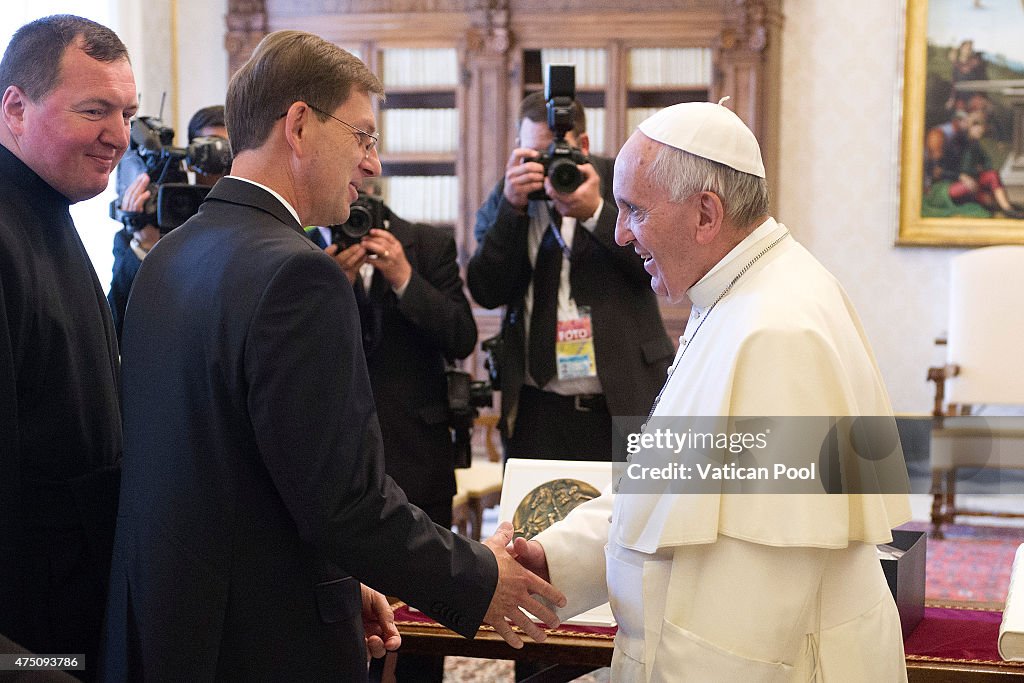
(632, 348)
(407, 346)
(254, 487)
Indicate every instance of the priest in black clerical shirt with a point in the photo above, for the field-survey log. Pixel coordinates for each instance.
(68, 94)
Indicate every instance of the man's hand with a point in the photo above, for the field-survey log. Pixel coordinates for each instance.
(136, 194)
(387, 256)
(582, 202)
(379, 624)
(522, 176)
(515, 591)
(350, 259)
(134, 200)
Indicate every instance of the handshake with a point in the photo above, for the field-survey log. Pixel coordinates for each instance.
(522, 584)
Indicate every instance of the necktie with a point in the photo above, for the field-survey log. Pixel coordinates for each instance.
(371, 317)
(318, 239)
(544, 319)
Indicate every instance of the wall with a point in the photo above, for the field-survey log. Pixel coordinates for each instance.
(177, 47)
(202, 59)
(839, 117)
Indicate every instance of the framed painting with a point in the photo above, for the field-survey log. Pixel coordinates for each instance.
(962, 148)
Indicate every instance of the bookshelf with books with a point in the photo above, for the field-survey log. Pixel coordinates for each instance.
(419, 127)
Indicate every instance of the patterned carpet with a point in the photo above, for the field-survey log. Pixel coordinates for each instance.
(467, 670)
(971, 563)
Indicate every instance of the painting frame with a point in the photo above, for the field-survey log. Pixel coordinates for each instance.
(916, 229)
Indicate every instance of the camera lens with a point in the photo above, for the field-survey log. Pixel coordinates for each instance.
(565, 175)
(210, 155)
(359, 222)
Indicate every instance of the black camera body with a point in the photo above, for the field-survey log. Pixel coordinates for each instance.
(172, 199)
(366, 213)
(561, 161)
(465, 396)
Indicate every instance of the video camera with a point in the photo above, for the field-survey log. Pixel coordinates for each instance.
(366, 213)
(172, 199)
(561, 161)
(466, 395)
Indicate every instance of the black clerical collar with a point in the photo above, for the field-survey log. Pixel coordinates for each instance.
(15, 171)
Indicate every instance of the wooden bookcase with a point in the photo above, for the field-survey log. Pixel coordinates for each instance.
(499, 47)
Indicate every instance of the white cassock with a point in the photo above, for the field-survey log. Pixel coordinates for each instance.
(749, 587)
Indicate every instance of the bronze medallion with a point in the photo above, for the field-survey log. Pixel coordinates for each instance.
(548, 503)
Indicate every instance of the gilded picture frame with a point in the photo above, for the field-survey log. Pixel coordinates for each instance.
(962, 138)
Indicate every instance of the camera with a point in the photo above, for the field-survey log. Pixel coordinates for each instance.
(465, 395)
(172, 199)
(561, 161)
(365, 214)
(493, 347)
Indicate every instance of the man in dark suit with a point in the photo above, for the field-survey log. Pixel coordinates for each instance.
(254, 498)
(415, 318)
(596, 295)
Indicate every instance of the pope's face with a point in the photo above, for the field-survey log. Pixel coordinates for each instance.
(74, 136)
(660, 231)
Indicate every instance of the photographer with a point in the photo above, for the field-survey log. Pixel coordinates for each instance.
(132, 245)
(415, 318)
(552, 262)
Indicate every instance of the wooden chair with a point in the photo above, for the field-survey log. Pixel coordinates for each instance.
(460, 512)
(478, 486)
(985, 366)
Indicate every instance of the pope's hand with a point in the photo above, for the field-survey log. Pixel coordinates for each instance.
(531, 555)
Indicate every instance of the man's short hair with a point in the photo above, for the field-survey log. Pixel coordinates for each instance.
(205, 118)
(287, 67)
(744, 195)
(32, 58)
(535, 108)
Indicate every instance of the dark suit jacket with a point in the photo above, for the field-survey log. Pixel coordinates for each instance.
(126, 265)
(633, 351)
(254, 486)
(407, 345)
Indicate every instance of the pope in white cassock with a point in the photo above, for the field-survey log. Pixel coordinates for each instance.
(726, 586)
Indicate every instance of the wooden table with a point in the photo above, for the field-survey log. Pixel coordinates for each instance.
(573, 654)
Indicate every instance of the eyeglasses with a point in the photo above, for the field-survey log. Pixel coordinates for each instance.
(368, 141)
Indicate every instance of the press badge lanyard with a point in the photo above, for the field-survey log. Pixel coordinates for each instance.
(557, 232)
(574, 345)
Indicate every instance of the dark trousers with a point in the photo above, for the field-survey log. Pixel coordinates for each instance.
(419, 668)
(550, 426)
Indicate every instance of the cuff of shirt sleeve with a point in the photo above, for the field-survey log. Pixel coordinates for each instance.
(591, 222)
(400, 291)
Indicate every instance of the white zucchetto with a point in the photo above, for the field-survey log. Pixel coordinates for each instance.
(708, 130)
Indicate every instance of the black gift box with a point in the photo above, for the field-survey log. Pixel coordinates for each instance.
(905, 576)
